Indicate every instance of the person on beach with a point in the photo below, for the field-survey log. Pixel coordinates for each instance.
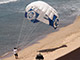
(39, 57)
(15, 51)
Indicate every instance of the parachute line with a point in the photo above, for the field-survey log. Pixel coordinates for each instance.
(20, 32)
(26, 37)
(33, 29)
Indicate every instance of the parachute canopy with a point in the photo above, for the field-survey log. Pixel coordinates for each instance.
(41, 11)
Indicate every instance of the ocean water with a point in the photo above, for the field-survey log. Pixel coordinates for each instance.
(15, 30)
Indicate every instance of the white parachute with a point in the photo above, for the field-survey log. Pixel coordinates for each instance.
(41, 11)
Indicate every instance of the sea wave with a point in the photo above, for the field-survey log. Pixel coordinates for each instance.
(7, 1)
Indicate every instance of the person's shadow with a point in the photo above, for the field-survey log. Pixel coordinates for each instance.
(52, 49)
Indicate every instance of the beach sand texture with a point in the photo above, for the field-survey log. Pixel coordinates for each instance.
(69, 35)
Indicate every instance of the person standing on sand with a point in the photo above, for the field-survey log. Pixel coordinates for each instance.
(15, 51)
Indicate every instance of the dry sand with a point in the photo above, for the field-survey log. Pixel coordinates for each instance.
(69, 35)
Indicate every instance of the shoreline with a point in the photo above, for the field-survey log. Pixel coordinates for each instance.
(6, 55)
(50, 44)
(10, 53)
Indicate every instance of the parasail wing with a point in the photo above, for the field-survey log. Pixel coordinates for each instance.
(41, 11)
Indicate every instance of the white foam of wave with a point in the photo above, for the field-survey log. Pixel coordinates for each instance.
(8, 1)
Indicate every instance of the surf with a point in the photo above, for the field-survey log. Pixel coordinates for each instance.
(7, 1)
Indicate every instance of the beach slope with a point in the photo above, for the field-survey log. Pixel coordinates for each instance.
(54, 45)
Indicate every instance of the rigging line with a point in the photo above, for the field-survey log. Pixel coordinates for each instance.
(17, 45)
(29, 35)
(26, 34)
(20, 32)
(31, 32)
(33, 29)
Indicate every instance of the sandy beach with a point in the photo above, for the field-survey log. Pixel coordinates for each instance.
(54, 45)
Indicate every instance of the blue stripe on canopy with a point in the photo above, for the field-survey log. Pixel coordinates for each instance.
(26, 14)
(30, 9)
(37, 14)
(50, 22)
(54, 17)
